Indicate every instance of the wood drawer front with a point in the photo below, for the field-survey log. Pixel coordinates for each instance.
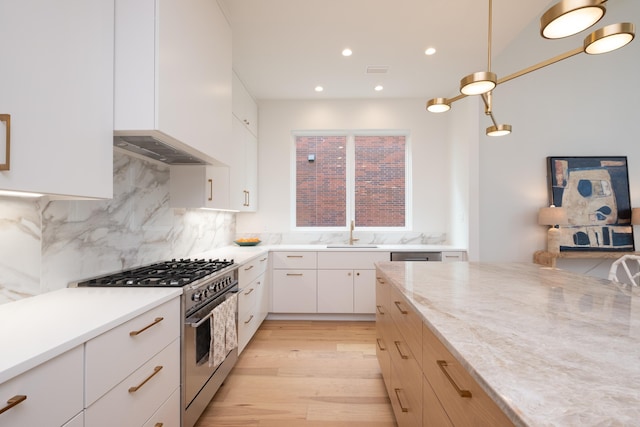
(169, 413)
(384, 360)
(477, 410)
(408, 322)
(304, 260)
(53, 390)
(406, 393)
(351, 260)
(383, 315)
(433, 414)
(250, 271)
(114, 355)
(123, 408)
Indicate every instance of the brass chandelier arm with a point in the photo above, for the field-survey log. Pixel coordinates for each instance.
(488, 110)
(542, 64)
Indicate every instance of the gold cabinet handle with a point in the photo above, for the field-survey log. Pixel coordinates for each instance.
(136, 388)
(159, 425)
(379, 279)
(249, 291)
(404, 356)
(380, 309)
(380, 346)
(462, 393)
(250, 319)
(6, 119)
(263, 259)
(404, 408)
(294, 274)
(155, 322)
(248, 268)
(210, 189)
(397, 303)
(294, 256)
(13, 402)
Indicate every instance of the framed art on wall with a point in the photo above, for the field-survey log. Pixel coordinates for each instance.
(595, 193)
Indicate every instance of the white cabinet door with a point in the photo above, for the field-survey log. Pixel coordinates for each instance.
(244, 107)
(244, 169)
(56, 82)
(335, 291)
(199, 187)
(53, 392)
(294, 291)
(173, 72)
(364, 291)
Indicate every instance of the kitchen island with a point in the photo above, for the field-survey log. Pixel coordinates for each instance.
(549, 347)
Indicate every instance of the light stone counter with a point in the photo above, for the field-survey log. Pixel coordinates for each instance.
(552, 348)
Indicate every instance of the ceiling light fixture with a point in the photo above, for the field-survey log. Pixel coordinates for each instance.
(569, 17)
(378, 88)
(606, 39)
(430, 51)
(319, 89)
(347, 52)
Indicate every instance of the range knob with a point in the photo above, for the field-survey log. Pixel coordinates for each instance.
(211, 286)
(196, 296)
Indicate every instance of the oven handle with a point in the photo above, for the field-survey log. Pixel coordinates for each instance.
(201, 321)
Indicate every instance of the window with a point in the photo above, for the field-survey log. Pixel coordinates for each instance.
(359, 176)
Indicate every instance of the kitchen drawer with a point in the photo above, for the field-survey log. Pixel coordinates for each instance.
(299, 260)
(408, 322)
(478, 409)
(115, 354)
(384, 360)
(123, 407)
(383, 315)
(249, 271)
(169, 413)
(248, 296)
(350, 260)
(452, 256)
(53, 390)
(433, 414)
(406, 393)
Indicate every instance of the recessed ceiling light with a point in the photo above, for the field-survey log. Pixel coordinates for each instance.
(378, 88)
(430, 51)
(347, 52)
(319, 89)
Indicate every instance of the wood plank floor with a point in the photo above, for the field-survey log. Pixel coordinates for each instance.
(304, 374)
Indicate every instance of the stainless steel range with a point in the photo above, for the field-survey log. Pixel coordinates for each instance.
(206, 285)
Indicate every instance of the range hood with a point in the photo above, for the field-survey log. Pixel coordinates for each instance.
(159, 146)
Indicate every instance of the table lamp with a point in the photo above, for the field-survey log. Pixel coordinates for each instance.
(554, 216)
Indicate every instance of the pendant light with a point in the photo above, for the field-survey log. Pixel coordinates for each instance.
(569, 17)
(554, 23)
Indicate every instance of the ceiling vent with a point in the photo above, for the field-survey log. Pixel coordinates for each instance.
(377, 69)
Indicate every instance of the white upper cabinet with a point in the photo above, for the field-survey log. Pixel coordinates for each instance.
(244, 107)
(173, 74)
(199, 187)
(56, 83)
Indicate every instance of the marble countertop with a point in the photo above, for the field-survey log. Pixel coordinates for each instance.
(36, 329)
(553, 348)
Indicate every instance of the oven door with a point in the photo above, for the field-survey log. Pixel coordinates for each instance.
(197, 341)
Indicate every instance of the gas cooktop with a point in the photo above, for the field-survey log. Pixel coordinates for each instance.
(174, 273)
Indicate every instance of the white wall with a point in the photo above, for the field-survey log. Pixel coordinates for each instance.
(430, 160)
(582, 106)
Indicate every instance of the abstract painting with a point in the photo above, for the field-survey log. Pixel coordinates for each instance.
(595, 193)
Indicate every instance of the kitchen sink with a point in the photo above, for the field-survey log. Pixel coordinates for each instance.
(351, 246)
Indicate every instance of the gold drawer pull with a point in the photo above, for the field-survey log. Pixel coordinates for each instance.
(397, 391)
(250, 290)
(294, 274)
(13, 402)
(397, 303)
(294, 256)
(378, 340)
(155, 322)
(380, 309)
(380, 280)
(404, 356)
(136, 388)
(263, 259)
(250, 319)
(443, 364)
(159, 425)
(248, 268)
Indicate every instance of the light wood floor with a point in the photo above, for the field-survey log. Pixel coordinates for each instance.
(304, 374)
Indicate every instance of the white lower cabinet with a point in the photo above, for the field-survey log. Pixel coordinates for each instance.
(294, 282)
(335, 293)
(364, 291)
(135, 399)
(253, 299)
(50, 394)
(167, 415)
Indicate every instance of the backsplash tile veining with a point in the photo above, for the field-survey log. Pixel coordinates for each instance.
(48, 244)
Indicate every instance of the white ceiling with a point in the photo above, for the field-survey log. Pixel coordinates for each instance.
(282, 49)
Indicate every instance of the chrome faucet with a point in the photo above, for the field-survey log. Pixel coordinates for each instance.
(351, 239)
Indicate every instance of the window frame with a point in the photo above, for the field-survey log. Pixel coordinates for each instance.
(350, 177)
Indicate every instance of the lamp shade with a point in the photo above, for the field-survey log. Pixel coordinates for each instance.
(438, 105)
(552, 216)
(609, 38)
(498, 130)
(635, 216)
(569, 17)
(478, 83)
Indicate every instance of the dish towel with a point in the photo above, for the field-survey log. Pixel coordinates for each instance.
(230, 323)
(217, 351)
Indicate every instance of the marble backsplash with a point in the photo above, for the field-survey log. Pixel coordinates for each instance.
(47, 244)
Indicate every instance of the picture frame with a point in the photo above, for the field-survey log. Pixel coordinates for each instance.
(594, 190)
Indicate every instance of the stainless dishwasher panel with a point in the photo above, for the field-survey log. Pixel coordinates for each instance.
(416, 256)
